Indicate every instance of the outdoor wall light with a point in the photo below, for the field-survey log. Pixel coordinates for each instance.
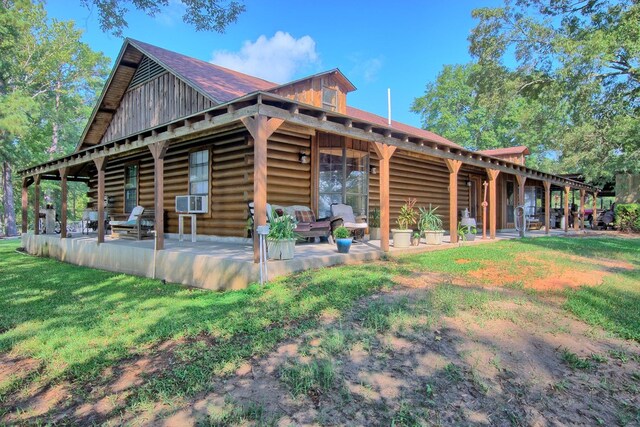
(468, 183)
(304, 158)
(373, 170)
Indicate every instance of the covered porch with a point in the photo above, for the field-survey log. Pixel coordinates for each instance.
(214, 265)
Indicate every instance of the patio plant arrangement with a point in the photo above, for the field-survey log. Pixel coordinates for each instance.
(374, 224)
(281, 240)
(342, 235)
(406, 218)
(430, 224)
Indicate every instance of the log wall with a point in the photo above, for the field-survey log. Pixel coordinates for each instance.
(160, 100)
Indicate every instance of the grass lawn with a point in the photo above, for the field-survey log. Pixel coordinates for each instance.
(86, 329)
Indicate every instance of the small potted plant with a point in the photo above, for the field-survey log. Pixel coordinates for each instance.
(407, 217)
(281, 239)
(470, 233)
(415, 238)
(430, 224)
(374, 224)
(342, 235)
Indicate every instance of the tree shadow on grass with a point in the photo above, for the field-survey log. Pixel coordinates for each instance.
(81, 321)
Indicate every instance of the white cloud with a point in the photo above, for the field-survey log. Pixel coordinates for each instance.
(366, 68)
(276, 59)
(171, 14)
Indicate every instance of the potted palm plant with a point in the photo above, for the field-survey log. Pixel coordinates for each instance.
(343, 239)
(407, 217)
(374, 224)
(430, 224)
(281, 240)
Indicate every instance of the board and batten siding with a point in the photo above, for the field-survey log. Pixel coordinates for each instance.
(155, 102)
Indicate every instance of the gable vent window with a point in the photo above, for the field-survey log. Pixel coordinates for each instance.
(147, 70)
(329, 98)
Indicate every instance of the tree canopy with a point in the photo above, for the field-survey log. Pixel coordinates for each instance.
(204, 15)
(561, 77)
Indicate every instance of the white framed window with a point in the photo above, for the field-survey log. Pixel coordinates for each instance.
(199, 173)
(130, 187)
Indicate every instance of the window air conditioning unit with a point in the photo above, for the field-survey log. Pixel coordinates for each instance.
(192, 204)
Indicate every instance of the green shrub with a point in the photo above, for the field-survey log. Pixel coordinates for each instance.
(341, 233)
(628, 217)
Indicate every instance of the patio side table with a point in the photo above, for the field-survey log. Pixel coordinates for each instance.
(181, 226)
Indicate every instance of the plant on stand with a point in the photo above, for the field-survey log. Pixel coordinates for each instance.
(430, 224)
(374, 224)
(281, 240)
(343, 239)
(406, 218)
(415, 238)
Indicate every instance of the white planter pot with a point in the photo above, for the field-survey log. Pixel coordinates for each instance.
(281, 249)
(401, 238)
(434, 237)
(374, 233)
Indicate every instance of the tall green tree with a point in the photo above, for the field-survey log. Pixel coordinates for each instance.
(48, 81)
(559, 76)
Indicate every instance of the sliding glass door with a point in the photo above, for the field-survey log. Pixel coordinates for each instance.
(343, 178)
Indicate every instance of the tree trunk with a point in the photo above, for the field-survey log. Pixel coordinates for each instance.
(55, 136)
(8, 202)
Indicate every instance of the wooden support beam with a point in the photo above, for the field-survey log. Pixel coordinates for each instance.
(101, 165)
(454, 167)
(158, 151)
(521, 181)
(384, 153)
(492, 176)
(582, 194)
(547, 206)
(594, 215)
(261, 128)
(36, 205)
(566, 208)
(25, 205)
(315, 162)
(63, 208)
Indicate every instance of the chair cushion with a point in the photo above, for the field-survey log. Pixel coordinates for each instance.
(321, 224)
(355, 225)
(136, 212)
(306, 216)
(343, 211)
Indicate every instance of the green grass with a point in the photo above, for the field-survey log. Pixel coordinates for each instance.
(316, 376)
(78, 321)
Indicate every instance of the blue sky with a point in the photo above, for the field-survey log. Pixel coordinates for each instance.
(376, 44)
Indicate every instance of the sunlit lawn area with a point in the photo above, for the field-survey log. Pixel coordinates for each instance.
(77, 323)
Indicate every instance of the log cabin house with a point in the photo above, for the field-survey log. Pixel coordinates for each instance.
(169, 125)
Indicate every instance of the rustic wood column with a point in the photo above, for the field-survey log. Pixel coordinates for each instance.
(25, 203)
(454, 167)
(158, 151)
(36, 205)
(521, 181)
(384, 153)
(566, 208)
(594, 216)
(101, 165)
(493, 194)
(582, 209)
(63, 209)
(261, 128)
(547, 206)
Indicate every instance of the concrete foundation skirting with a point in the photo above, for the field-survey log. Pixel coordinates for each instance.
(192, 268)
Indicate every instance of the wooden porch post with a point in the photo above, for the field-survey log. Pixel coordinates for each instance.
(261, 128)
(594, 216)
(521, 181)
(36, 205)
(493, 179)
(547, 205)
(582, 209)
(158, 151)
(384, 153)
(63, 209)
(101, 165)
(566, 208)
(454, 167)
(25, 204)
